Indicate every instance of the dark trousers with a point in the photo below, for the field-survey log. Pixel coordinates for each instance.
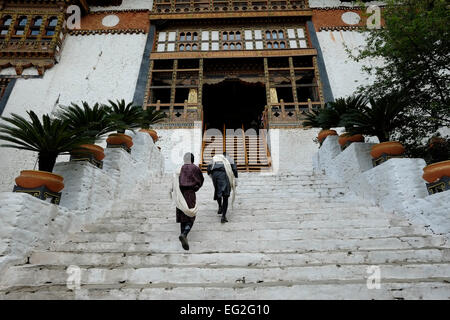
(223, 203)
(186, 227)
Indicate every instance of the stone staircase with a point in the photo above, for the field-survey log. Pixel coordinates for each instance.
(289, 237)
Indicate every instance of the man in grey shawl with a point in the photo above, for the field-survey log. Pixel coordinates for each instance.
(186, 183)
(223, 172)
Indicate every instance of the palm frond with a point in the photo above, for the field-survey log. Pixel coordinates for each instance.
(95, 120)
(379, 119)
(125, 116)
(48, 137)
(151, 116)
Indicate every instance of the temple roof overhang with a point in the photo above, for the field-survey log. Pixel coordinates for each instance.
(84, 4)
(214, 9)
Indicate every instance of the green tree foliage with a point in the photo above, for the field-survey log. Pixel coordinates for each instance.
(414, 45)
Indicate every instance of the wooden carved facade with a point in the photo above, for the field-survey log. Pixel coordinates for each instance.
(32, 33)
(204, 42)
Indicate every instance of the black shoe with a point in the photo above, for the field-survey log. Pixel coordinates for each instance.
(184, 242)
(224, 219)
(219, 211)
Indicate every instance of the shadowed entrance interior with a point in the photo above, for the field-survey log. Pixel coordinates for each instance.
(233, 102)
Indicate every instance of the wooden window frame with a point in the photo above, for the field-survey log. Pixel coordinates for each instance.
(50, 28)
(3, 26)
(19, 27)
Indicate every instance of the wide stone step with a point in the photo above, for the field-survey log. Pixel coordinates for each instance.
(107, 259)
(281, 234)
(304, 213)
(430, 290)
(129, 216)
(212, 217)
(174, 277)
(200, 225)
(238, 205)
(267, 246)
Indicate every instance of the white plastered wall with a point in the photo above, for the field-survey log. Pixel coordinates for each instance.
(291, 149)
(344, 74)
(92, 68)
(174, 143)
(127, 5)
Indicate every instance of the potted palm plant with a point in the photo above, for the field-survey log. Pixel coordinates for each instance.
(334, 115)
(437, 172)
(380, 119)
(312, 120)
(151, 116)
(126, 117)
(49, 138)
(95, 123)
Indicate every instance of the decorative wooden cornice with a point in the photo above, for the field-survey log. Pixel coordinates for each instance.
(230, 15)
(234, 54)
(127, 22)
(103, 31)
(331, 19)
(23, 51)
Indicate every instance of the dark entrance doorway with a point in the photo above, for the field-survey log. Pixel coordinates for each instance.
(233, 103)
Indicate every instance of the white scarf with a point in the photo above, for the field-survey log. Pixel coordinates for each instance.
(178, 199)
(229, 172)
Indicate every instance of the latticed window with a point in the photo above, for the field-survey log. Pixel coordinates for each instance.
(35, 28)
(50, 30)
(5, 23)
(244, 39)
(20, 26)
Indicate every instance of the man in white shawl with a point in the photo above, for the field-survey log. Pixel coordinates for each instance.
(223, 172)
(186, 183)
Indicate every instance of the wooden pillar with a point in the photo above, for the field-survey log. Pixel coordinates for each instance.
(173, 86)
(147, 96)
(283, 112)
(267, 80)
(319, 83)
(200, 84)
(42, 28)
(293, 84)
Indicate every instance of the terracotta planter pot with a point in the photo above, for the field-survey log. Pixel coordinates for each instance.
(437, 170)
(325, 133)
(152, 133)
(120, 138)
(392, 148)
(33, 179)
(343, 138)
(97, 151)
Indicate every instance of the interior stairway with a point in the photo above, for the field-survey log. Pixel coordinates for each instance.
(288, 237)
(250, 152)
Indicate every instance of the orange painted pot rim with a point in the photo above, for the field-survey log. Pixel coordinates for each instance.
(152, 133)
(375, 151)
(128, 140)
(436, 164)
(97, 151)
(437, 170)
(344, 138)
(43, 173)
(325, 133)
(35, 178)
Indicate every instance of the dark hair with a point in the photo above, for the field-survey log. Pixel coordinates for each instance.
(225, 154)
(192, 158)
